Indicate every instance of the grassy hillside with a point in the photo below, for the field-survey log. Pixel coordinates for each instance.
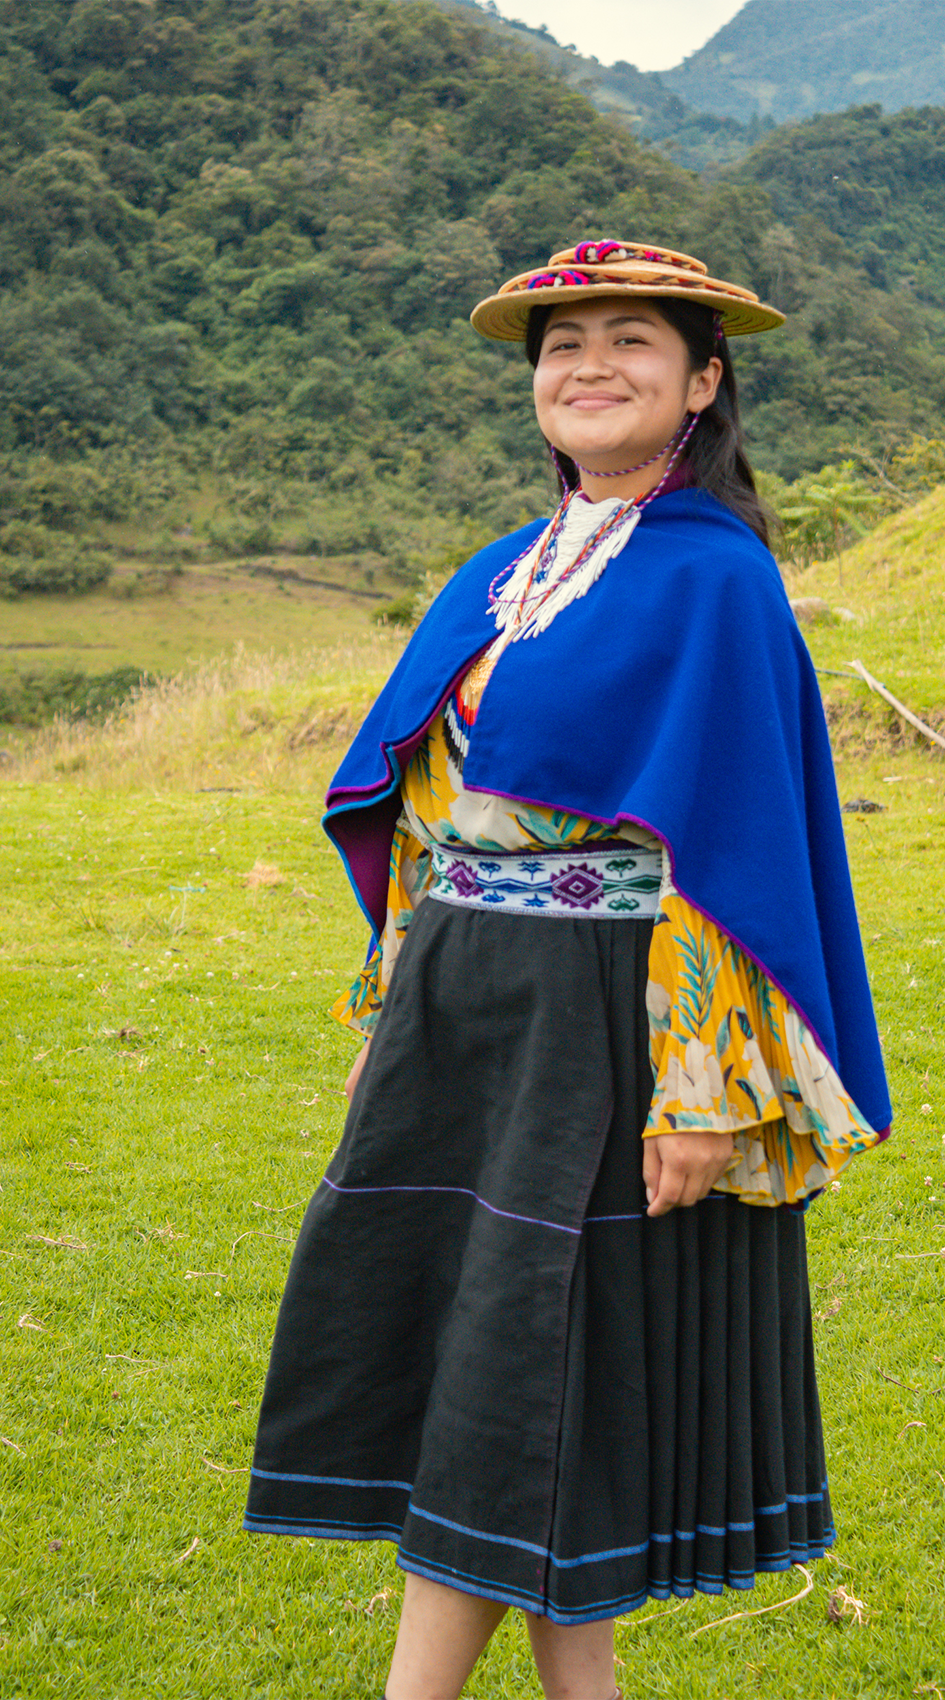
(893, 584)
(817, 56)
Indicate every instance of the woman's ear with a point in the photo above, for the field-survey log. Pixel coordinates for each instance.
(704, 386)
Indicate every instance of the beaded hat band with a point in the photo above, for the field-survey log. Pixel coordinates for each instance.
(619, 268)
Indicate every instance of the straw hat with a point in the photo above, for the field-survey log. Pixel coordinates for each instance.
(619, 268)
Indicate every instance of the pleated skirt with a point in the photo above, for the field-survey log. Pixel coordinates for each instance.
(488, 1353)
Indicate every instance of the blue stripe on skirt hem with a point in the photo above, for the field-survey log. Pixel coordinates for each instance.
(704, 1583)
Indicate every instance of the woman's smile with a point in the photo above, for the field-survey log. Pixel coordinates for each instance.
(593, 399)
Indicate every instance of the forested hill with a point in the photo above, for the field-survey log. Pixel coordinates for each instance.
(789, 60)
(876, 179)
(249, 233)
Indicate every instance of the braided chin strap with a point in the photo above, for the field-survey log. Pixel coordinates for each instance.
(684, 431)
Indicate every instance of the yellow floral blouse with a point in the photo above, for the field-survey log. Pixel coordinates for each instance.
(729, 1053)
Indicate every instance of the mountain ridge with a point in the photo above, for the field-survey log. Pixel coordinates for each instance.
(814, 56)
(768, 65)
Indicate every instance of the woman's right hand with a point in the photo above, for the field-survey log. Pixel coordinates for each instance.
(355, 1074)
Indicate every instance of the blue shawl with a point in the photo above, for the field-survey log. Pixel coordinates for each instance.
(679, 694)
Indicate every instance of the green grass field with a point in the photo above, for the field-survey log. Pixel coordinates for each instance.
(205, 612)
(174, 928)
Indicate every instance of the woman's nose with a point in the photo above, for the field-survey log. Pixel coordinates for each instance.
(594, 362)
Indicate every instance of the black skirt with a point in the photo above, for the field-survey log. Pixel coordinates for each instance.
(488, 1353)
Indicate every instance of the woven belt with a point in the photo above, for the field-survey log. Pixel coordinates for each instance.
(584, 883)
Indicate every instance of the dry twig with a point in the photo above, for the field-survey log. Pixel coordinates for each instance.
(759, 1611)
(258, 1233)
(843, 1604)
(224, 1470)
(655, 1616)
(65, 1243)
(900, 707)
(191, 1549)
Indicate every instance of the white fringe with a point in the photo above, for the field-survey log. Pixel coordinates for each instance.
(581, 520)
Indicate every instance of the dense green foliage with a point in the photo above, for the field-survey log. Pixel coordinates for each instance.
(877, 180)
(243, 236)
(791, 61)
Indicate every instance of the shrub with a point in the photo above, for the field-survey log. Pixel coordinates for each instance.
(65, 571)
(30, 699)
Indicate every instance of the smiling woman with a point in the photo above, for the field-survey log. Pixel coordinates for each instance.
(547, 1325)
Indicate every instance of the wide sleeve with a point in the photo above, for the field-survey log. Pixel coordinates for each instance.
(731, 1054)
(359, 1007)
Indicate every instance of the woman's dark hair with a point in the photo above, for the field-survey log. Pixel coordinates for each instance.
(715, 458)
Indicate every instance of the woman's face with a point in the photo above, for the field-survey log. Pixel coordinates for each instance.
(613, 382)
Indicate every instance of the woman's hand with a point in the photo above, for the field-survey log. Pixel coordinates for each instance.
(680, 1168)
(355, 1074)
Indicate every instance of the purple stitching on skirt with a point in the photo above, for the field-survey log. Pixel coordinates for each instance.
(510, 1215)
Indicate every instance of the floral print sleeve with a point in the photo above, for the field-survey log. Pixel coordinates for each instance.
(730, 1054)
(360, 1006)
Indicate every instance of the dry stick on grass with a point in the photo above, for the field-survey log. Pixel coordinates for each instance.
(900, 707)
(905, 1385)
(759, 1611)
(659, 1615)
(259, 1234)
(843, 1604)
(66, 1243)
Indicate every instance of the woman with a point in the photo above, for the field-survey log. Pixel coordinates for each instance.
(547, 1324)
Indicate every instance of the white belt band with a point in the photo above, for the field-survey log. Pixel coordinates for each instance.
(584, 883)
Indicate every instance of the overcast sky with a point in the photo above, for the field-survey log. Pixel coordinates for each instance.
(651, 34)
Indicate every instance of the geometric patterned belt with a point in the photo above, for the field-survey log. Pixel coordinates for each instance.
(588, 882)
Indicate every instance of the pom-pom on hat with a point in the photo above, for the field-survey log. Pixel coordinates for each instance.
(619, 268)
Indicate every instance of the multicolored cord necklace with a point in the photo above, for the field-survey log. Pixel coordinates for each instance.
(570, 555)
(687, 426)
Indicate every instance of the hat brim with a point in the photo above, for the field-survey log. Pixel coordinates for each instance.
(504, 317)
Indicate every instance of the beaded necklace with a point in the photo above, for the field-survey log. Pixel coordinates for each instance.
(520, 614)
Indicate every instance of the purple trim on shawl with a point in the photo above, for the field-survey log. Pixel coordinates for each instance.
(371, 812)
